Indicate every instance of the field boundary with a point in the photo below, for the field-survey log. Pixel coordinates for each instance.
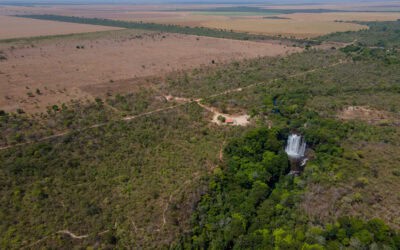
(185, 102)
(170, 28)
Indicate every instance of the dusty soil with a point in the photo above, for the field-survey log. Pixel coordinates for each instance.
(43, 73)
(358, 5)
(300, 25)
(16, 27)
(344, 16)
(367, 114)
(230, 120)
(284, 27)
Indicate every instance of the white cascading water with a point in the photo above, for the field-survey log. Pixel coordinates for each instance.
(296, 147)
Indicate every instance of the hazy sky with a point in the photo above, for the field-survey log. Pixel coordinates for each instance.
(182, 1)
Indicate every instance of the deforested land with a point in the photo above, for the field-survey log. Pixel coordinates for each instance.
(150, 139)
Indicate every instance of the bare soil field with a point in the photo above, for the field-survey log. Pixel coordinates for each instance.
(146, 13)
(344, 16)
(348, 6)
(16, 27)
(367, 114)
(300, 25)
(104, 11)
(179, 18)
(42, 73)
(284, 27)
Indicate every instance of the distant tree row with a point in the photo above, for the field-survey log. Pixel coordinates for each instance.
(171, 28)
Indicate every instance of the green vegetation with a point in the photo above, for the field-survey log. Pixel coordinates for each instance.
(136, 183)
(276, 18)
(379, 34)
(206, 82)
(19, 128)
(112, 183)
(132, 33)
(199, 83)
(199, 31)
(251, 204)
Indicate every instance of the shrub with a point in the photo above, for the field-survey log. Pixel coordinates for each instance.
(361, 182)
(20, 111)
(396, 172)
(2, 57)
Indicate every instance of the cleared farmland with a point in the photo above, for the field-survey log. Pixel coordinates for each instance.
(284, 27)
(38, 74)
(299, 21)
(344, 16)
(15, 27)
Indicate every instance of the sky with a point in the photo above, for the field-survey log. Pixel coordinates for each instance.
(182, 1)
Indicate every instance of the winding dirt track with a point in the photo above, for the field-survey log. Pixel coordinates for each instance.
(184, 102)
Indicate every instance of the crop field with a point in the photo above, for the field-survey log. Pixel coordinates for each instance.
(16, 27)
(37, 74)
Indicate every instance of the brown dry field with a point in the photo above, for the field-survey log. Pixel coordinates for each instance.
(145, 13)
(287, 27)
(16, 27)
(104, 11)
(344, 16)
(62, 72)
(369, 115)
(179, 18)
(359, 6)
(301, 25)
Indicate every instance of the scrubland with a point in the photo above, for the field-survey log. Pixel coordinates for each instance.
(137, 170)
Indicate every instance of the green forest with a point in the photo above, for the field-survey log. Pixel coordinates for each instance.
(251, 204)
(174, 180)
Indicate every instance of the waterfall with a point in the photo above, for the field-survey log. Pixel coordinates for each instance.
(296, 146)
